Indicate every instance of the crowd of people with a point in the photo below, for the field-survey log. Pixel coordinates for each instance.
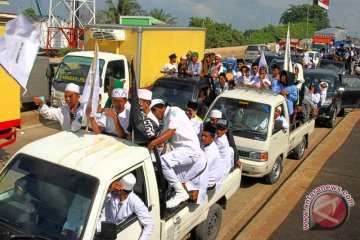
(195, 157)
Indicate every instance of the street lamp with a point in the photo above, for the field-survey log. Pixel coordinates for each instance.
(345, 19)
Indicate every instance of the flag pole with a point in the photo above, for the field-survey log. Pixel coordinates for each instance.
(92, 79)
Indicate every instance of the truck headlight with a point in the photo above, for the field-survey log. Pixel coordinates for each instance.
(327, 102)
(259, 156)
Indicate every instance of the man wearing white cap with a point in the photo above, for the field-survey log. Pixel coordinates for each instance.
(116, 120)
(215, 115)
(122, 202)
(145, 97)
(65, 115)
(357, 70)
(186, 163)
(217, 67)
(278, 116)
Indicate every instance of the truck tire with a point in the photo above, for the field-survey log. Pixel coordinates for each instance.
(275, 173)
(209, 229)
(299, 150)
(332, 121)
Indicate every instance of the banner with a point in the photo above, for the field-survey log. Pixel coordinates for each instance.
(287, 58)
(322, 3)
(142, 127)
(18, 48)
(92, 86)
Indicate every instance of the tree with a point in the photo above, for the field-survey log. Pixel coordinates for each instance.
(161, 15)
(218, 34)
(29, 12)
(299, 13)
(123, 8)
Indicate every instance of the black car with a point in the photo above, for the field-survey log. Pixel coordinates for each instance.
(331, 106)
(333, 65)
(177, 91)
(351, 91)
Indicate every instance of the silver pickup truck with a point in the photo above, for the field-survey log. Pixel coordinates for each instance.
(263, 143)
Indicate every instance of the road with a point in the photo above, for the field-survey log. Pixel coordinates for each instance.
(241, 208)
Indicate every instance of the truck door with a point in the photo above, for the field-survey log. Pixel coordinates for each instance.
(351, 93)
(130, 227)
(279, 139)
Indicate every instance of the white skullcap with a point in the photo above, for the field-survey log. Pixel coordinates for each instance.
(215, 114)
(352, 45)
(357, 68)
(72, 87)
(279, 108)
(218, 55)
(128, 181)
(183, 57)
(156, 102)
(144, 94)
(325, 83)
(119, 93)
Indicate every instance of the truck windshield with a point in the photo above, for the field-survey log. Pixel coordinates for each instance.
(175, 94)
(75, 69)
(246, 118)
(42, 199)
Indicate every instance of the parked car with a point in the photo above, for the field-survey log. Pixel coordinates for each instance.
(253, 51)
(331, 106)
(331, 64)
(177, 91)
(351, 91)
(315, 58)
(280, 62)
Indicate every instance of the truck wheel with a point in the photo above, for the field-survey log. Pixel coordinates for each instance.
(332, 121)
(209, 229)
(274, 175)
(299, 150)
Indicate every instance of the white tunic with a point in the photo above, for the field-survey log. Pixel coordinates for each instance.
(197, 124)
(123, 117)
(116, 211)
(169, 66)
(227, 155)
(60, 114)
(185, 136)
(213, 159)
(77, 214)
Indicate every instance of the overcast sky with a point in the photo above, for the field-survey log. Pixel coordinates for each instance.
(242, 14)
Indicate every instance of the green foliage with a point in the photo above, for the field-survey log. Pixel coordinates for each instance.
(161, 15)
(29, 12)
(63, 51)
(218, 34)
(299, 13)
(272, 33)
(123, 8)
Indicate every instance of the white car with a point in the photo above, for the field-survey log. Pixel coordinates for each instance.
(315, 58)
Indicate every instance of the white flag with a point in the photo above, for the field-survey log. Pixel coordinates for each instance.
(287, 58)
(262, 62)
(93, 75)
(18, 48)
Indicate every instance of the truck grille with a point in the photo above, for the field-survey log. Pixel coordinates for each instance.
(243, 153)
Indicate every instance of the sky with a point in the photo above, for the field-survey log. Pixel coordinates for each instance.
(242, 14)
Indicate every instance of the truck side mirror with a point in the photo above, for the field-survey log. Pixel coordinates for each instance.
(108, 231)
(278, 125)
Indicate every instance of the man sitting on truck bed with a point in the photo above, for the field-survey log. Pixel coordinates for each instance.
(116, 120)
(186, 163)
(122, 202)
(65, 115)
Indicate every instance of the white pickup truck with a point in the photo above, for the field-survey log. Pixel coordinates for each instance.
(263, 144)
(67, 175)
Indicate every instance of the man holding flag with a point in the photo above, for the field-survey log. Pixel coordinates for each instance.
(66, 114)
